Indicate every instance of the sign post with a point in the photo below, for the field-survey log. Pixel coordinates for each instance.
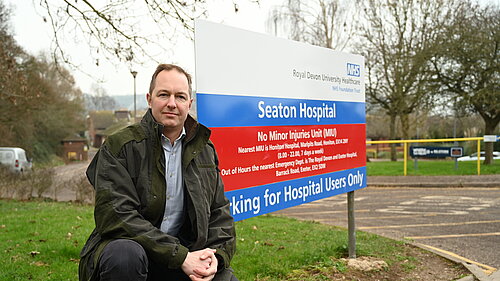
(351, 225)
(287, 118)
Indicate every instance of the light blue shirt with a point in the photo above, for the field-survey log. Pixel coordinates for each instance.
(174, 205)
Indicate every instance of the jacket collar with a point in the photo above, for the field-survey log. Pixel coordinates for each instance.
(192, 127)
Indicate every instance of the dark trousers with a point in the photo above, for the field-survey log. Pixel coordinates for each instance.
(124, 259)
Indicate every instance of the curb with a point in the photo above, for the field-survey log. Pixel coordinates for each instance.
(456, 181)
(481, 273)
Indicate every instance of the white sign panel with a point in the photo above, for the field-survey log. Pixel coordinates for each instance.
(287, 118)
(490, 138)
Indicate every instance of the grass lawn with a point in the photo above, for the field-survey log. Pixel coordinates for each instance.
(430, 168)
(42, 241)
(270, 248)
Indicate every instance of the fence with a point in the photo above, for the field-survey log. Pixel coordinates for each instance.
(406, 142)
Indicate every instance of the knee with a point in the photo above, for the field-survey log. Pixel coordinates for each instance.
(123, 258)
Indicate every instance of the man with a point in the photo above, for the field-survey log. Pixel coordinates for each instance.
(160, 209)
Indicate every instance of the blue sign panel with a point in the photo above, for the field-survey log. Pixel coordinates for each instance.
(253, 201)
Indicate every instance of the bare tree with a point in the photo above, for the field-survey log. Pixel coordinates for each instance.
(468, 67)
(112, 29)
(325, 23)
(99, 99)
(398, 41)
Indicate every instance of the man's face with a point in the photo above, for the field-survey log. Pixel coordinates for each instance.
(170, 101)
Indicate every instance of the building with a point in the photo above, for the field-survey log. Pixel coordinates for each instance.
(104, 122)
(75, 149)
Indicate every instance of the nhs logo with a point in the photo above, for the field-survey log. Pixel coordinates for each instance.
(353, 69)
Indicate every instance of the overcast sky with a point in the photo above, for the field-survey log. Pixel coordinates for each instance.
(35, 36)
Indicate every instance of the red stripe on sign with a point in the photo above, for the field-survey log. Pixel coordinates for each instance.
(252, 156)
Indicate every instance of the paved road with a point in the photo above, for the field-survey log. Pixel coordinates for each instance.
(62, 189)
(463, 221)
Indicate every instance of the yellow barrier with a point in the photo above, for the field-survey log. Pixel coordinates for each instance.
(405, 149)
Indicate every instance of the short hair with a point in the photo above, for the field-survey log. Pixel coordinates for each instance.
(169, 67)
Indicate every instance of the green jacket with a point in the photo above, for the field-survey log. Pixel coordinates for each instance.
(128, 174)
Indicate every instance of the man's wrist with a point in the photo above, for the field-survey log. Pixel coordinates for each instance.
(179, 257)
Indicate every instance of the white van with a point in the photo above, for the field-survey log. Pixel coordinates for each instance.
(15, 159)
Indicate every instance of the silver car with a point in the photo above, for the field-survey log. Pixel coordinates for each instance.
(15, 159)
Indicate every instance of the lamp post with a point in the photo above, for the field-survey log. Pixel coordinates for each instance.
(134, 73)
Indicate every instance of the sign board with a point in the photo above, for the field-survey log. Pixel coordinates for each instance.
(435, 152)
(490, 138)
(456, 151)
(287, 118)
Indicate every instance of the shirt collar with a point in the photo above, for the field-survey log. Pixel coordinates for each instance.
(181, 136)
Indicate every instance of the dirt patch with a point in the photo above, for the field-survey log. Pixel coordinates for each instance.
(412, 264)
(366, 264)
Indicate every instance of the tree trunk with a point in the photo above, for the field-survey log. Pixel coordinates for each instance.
(488, 151)
(489, 129)
(392, 136)
(405, 126)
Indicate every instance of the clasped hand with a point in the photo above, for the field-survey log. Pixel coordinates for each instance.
(200, 265)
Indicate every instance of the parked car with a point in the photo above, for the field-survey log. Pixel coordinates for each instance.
(15, 159)
(473, 156)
